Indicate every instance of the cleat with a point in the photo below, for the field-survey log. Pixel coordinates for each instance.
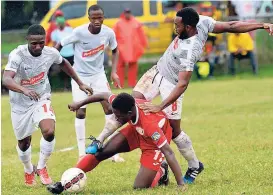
(30, 179)
(116, 158)
(56, 188)
(191, 173)
(164, 180)
(45, 179)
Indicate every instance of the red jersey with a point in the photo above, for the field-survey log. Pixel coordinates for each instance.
(154, 128)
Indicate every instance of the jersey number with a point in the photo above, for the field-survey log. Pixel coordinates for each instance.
(174, 106)
(159, 156)
(46, 109)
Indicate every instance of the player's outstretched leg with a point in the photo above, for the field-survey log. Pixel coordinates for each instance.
(24, 152)
(47, 144)
(184, 145)
(117, 144)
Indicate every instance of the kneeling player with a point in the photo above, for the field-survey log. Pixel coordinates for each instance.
(150, 132)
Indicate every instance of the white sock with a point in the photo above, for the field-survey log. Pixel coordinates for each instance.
(184, 144)
(80, 133)
(46, 148)
(25, 158)
(111, 125)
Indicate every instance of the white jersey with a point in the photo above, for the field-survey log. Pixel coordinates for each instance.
(31, 72)
(181, 55)
(89, 48)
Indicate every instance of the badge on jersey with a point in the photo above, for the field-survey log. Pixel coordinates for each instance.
(155, 136)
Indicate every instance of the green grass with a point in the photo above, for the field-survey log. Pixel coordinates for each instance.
(229, 122)
(10, 41)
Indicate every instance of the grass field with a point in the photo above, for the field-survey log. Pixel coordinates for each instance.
(229, 122)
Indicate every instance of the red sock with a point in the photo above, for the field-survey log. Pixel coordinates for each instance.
(87, 163)
(158, 175)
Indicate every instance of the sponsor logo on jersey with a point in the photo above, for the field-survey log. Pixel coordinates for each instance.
(156, 136)
(33, 80)
(92, 51)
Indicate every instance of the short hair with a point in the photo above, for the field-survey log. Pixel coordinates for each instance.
(123, 103)
(36, 29)
(189, 16)
(94, 8)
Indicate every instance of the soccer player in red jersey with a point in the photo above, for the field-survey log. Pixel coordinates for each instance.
(151, 132)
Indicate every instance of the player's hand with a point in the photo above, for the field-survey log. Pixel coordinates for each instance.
(88, 90)
(269, 28)
(182, 188)
(31, 94)
(115, 80)
(149, 107)
(74, 106)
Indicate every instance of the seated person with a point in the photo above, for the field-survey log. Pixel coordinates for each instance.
(240, 46)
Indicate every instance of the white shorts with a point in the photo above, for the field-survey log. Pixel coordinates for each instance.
(25, 123)
(97, 82)
(152, 84)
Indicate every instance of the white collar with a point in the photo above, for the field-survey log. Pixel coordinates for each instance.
(137, 116)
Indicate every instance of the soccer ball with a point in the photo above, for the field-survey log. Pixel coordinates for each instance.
(73, 180)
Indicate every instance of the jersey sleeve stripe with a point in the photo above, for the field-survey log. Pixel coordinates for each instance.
(161, 145)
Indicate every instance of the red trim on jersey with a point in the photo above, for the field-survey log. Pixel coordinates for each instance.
(33, 80)
(175, 46)
(111, 98)
(92, 51)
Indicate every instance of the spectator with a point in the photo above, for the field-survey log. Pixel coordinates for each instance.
(53, 26)
(172, 14)
(240, 46)
(131, 44)
(67, 51)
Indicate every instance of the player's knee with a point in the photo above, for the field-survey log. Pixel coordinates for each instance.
(24, 144)
(48, 133)
(80, 114)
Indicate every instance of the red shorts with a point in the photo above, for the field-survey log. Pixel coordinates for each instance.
(151, 156)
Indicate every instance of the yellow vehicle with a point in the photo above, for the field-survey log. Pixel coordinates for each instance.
(150, 13)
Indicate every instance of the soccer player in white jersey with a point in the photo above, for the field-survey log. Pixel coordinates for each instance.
(90, 41)
(171, 76)
(26, 77)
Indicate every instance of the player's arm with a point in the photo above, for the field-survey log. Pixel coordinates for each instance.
(173, 163)
(72, 39)
(58, 46)
(183, 82)
(91, 99)
(9, 82)
(67, 68)
(241, 27)
(9, 74)
(115, 54)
